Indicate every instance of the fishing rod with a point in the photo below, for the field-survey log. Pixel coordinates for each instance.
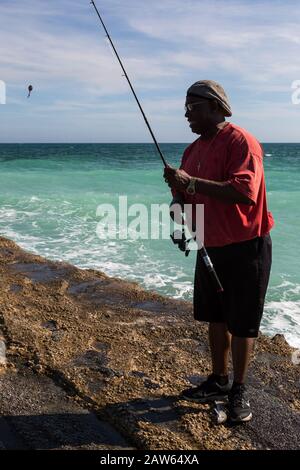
(183, 245)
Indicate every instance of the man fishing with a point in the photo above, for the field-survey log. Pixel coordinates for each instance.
(223, 169)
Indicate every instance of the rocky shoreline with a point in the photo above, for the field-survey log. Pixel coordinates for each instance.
(94, 362)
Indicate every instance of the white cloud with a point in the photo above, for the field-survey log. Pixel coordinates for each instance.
(46, 54)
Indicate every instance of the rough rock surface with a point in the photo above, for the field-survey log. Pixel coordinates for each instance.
(95, 362)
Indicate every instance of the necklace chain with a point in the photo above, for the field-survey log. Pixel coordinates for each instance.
(208, 149)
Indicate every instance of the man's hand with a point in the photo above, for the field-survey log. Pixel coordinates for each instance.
(177, 179)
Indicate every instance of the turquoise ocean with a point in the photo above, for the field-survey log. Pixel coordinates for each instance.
(48, 205)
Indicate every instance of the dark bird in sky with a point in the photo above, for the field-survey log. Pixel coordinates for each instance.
(30, 88)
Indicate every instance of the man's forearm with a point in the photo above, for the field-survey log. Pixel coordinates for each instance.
(221, 190)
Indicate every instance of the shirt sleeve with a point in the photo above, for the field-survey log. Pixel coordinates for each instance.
(244, 169)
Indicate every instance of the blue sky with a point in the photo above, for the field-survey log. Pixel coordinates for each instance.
(251, 47)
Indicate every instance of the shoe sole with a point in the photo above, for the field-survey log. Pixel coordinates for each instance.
(241, 420)
(208, 399)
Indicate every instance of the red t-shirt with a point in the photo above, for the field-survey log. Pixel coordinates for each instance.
(233, 155)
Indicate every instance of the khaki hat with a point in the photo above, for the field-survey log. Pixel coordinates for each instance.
(211, 90)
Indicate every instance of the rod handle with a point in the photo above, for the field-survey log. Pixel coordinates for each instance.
(211, 270)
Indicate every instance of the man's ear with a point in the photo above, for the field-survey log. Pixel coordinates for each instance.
(215, 107)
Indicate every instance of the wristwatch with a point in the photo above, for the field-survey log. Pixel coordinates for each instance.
(191, 187)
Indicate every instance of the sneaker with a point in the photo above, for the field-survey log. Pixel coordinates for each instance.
(209, 390)
(239, 406)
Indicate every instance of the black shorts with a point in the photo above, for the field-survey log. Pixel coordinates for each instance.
(244, 270)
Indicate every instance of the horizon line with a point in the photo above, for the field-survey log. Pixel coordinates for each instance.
(116, 143)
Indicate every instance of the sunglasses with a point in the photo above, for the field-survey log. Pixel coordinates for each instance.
(190, 106)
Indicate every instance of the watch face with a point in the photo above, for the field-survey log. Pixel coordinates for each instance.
(191, 187)
(190, 190)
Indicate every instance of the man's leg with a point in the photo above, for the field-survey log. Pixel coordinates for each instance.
(242, 349)
(219, 341)
(239, 405)
(216, 386)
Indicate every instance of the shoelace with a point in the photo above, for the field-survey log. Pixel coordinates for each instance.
(239, 398)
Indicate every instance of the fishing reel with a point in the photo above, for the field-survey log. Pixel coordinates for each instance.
(178, 237)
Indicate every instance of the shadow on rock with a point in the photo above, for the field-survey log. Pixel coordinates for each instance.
(59, 431)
